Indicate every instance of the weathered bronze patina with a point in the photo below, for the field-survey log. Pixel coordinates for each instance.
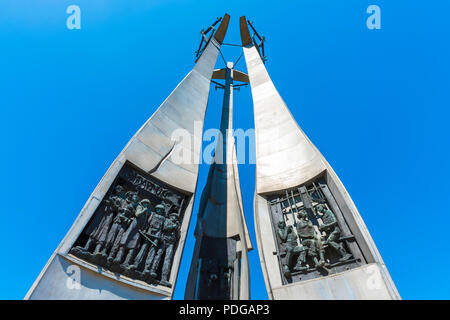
(309, 235)
(135, 229)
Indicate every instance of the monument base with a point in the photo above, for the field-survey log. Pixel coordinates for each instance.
(68, 278)
(363, 283)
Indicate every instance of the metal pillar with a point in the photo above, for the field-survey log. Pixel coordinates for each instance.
(219, 269)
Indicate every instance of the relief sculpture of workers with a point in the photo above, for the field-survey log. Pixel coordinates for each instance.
(331, 228)
(288, 238)
(120, 225)
(130, 238)
(311, 240)
(170, 234)
(154, 235)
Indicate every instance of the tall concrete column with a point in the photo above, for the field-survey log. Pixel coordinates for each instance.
(294, 179)
(149, 165)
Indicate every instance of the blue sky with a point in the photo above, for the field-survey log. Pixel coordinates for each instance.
(374, 102)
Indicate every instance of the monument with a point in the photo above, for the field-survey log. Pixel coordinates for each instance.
(312, 242)
(128, 239)
(219, 268)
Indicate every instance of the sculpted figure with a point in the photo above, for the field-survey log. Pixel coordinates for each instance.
(212, 270)
(114, 203)
(289, 239)
(147, 242)
(227, 279)
(131, 236)
(310, 240)
(170, 234)
(332, 230)
(98, 232)
(120, 225)
(155, 235)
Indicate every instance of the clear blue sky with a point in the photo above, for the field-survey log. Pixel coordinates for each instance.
(375, 103)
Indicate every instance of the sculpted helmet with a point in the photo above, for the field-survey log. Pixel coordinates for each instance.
(302, 213)
(320, 207)
(129, 194)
